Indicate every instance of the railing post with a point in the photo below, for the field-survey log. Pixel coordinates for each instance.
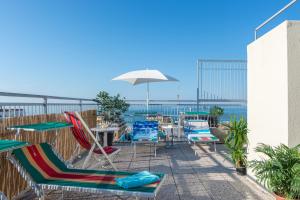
(80, 105)
(198, 85)
(45, 105)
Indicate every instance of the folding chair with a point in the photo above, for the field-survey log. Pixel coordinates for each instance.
(145, 132)
(96, 149)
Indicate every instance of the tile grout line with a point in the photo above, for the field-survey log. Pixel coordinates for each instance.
(174, 180)
(208, 192)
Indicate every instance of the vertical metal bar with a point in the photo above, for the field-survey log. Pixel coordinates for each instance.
(198, 82)
(45, 105)
(80, 105)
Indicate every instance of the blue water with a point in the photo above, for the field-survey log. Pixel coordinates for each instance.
(230, 111)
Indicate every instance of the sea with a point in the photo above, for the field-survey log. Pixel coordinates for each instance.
(136, 113)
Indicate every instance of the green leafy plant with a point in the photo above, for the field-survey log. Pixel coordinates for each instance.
(215, 112)
(237, 141)
(111, 107)
(279, 169)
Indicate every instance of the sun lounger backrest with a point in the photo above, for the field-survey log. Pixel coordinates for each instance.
(34, 158)
(78, 132)
(145, 129)
(197, 124)
(145, 126)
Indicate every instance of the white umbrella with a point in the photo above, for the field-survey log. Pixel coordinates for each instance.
(144, 76)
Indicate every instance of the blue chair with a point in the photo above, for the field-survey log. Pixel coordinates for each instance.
(145, 132)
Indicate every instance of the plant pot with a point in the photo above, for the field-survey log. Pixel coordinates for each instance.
(241, 170)
(279, 197)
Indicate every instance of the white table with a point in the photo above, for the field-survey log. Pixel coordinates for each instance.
(107, 130)
(171, 128)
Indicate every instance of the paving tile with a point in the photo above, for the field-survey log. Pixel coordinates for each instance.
(194, 188)
(222, 190)
(183, 170)
(161, 168)
(205, 176)
(199, 196)
(186, 179)
(168, 192)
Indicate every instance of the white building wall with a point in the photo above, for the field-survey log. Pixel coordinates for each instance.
(293, 43)
(274, 87)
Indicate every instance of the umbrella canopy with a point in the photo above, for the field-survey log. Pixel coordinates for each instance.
(144, 76)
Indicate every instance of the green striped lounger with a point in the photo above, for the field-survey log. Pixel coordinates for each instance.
(43, 169)
(198, 131)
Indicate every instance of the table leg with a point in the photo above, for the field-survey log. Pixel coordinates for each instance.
(134, 149)
(172, 132)
(215, 147)
(17, 134)
(105, 139)
(54, 141)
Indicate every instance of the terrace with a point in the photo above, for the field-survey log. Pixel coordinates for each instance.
(193, 172)
(192, 164)
(205, 176)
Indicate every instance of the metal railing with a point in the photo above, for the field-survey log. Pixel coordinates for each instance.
(273, 17)
(18, 109)
(221, 81)
(165, 107)
(174, 107)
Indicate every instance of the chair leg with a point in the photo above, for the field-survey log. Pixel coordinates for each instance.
(155, 150)
(134, 150)
(215, 147)
(88, 157)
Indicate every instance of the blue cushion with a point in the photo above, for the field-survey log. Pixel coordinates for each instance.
(137, 180)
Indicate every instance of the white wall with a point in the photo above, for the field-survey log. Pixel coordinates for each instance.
(274, 87)
(293, 43)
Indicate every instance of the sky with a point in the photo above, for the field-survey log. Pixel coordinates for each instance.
(74, 48)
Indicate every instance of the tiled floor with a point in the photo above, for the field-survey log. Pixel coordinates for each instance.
(207, 175)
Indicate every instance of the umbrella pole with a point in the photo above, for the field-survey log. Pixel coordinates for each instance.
(147, 97)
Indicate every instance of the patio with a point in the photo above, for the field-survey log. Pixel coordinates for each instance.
(206, 175)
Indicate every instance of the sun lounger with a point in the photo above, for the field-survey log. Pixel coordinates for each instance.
(198, 131)
(6, 146)
(145, 132)
(95, 148)
(41, 127)
(43, 169)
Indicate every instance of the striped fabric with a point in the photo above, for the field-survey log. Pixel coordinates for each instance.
(202, 138)
(45, 168)
(8, 145)
(198, 131)
(42, 126)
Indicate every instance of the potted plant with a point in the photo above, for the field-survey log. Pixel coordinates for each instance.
(279, 170)
(215, 112)
(236, 141)
(111, 109)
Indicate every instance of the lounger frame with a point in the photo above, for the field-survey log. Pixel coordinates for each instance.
(200, 128)
(39, 188)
